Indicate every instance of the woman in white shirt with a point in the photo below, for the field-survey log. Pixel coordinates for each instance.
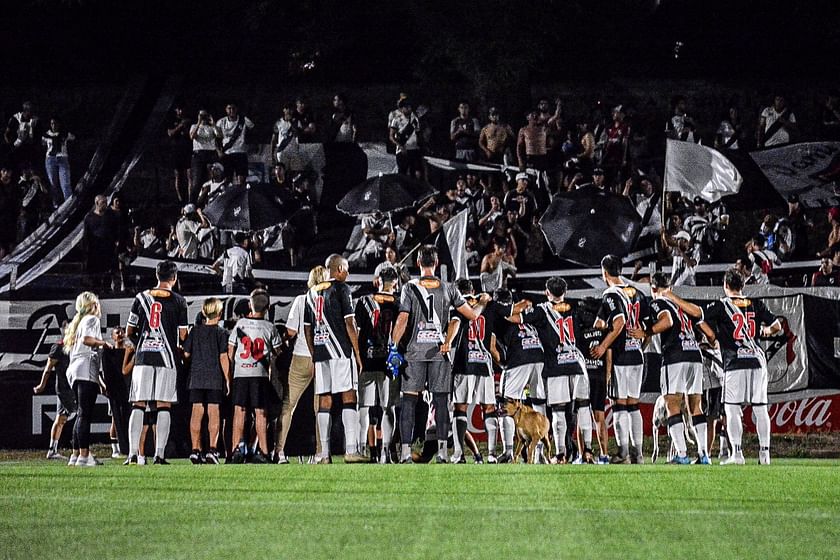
(205, 141)
(82, 342)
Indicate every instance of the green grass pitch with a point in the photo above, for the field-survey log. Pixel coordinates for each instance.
(790, 509)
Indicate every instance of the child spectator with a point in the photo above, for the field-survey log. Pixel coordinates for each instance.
(206, 346)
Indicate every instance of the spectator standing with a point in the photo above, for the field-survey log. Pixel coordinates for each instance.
(463, 132)
(531, 144)
(496, 138)
(680, 126)
(205, 138)
(57, 161)
(236, 266)
(791, 232)
(284, 139)
(776, 125)
(35, 204)
(179, 146)
(833, 234)
(23, 133)
(101, 241)
(403, 133)
(9, 211)
(342, 126)
(496, 267)
(729, 131)
(234, 149)
(763, 260)
(215, 186)
(614, 158)
(521, 200)
(304, 121)
(188, 229)
(830, 121)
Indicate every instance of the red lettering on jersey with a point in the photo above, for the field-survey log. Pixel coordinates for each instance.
(633, 312)
(252, 348)
(743, 320)
(154, 315)
(566, 326)
(686, 325)
(476, 330)
(319, 309)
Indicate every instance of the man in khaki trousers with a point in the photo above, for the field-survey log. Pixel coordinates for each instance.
(300, 370)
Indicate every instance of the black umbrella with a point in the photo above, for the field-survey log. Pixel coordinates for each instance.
(246, 208)
(385, 193)
(584, 225)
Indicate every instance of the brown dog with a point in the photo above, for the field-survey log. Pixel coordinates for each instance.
(531, 429)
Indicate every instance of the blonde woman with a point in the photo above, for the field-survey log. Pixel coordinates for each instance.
(82, 343)
(300, 370)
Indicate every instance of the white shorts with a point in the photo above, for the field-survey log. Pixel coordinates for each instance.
(565, 388)
(514, 381)
(684, 378)
(152, 383)
(626, 382)
(335, 376)
(745, 386)
(474, 389)
(376, 387)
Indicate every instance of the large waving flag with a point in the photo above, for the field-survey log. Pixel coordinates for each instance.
(696, 170)
(452, 247)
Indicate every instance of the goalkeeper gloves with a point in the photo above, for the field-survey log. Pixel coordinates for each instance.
(394, 360)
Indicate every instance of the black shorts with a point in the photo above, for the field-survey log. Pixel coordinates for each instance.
(597, 392)
(235, 164)
(712, 405)
(206, 396)
(250, 392)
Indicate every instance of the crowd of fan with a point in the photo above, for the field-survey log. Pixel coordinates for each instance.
(553, 152)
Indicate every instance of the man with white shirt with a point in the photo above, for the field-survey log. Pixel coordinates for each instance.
(403, 130)
(776, 124)
(236, 265)
(215, 186)
(234, 151)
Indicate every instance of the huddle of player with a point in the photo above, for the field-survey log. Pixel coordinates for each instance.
(444, 341)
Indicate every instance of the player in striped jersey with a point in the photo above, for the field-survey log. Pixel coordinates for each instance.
(735, 320)
(473, 369)
(253, 345)
(565, 366)
(157, 324)
(682, 367)
(622, 309)
(375, 316)
(332, 338)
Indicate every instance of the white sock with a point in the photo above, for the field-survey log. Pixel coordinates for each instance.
(508, 431)
(636, 431)
(387, 428)
(460, 434)
(701, 428)
(54, 445)
(734, 427)
(762, 425)
(164, 420)
(622, 428)
(135, 428)
(364, 425)
(324, 432)
(676, 429)
(350, 419)
(584, 422)
(491, 426)
(443, 450)
(558, 426)
(405, 451)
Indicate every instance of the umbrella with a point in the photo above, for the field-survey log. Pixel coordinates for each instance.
(385, 193)
(246, 208)
(584, 225)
